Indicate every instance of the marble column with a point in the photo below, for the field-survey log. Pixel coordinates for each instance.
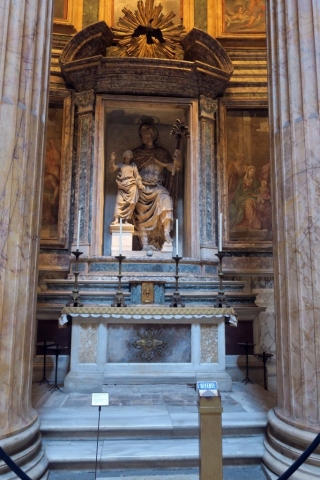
(25, 38)
(208, 246)
(85, 103)
(294, 89)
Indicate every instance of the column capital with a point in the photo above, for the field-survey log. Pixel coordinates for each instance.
(85, 101)
(208, 107)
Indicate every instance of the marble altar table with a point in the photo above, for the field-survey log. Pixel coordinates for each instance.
(153, 344)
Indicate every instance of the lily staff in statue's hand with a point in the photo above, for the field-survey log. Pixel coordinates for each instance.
(173, 167)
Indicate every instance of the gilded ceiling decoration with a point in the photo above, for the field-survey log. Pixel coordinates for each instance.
(149, 33)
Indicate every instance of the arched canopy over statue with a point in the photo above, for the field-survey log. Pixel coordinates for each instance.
(153, 215)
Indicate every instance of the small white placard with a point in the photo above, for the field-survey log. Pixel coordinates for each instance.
(100, 399)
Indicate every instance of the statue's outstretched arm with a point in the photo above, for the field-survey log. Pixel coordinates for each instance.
(113, 167)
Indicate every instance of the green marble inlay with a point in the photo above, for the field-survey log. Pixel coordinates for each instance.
(90, 12)
(200, 14)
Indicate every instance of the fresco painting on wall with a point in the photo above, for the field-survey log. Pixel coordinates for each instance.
(60, 9)
(52, 174)
(244, 16)
(174, 6)
(248, 176)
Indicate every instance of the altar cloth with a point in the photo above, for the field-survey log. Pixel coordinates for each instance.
(148, 313)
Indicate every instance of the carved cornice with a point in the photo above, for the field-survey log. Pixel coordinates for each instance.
(205, 69)
(85, 101)
(208, 107)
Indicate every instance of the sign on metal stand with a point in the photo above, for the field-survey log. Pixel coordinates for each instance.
(210, 422)
(99, 400)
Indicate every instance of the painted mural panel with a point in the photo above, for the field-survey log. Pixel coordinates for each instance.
(174, 6)
(244, 16)
(52, 174)
(60, 9)
(248, 176)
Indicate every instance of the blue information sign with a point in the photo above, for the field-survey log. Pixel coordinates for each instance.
(207, 385)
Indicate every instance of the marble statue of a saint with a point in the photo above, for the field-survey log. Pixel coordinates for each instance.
(153, 214)
(129, 183)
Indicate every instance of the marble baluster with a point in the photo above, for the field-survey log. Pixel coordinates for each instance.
(25, 39)
(207, 200)
(294, 89)
(85, 103)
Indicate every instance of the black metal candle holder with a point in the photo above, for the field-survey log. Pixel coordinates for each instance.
(176, 300)
(119, 297)
(75, 296)
(221, 299)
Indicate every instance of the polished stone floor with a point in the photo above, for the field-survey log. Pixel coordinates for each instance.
(148, 432)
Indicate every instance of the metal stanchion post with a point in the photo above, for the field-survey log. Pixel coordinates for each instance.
(210, 422)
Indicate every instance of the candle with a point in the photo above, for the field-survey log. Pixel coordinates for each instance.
(78, 231)
(177, 248)
(120, 238)
(220, 232)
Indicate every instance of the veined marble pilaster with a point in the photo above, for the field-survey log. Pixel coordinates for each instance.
(294, 86)
(208, 246)
(25, 39)
(85, 102)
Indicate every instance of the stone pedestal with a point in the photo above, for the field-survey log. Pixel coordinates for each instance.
(293, 33)
(24, 64)
(126, 239)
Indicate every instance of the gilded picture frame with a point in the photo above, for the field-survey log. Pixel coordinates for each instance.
(244, 153)
(54, 231)
(67, 16)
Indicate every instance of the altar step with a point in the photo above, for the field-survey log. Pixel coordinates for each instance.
(149, 436)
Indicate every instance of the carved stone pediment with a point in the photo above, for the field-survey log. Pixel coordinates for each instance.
(91, 41)
(198, 46)
(204, 70)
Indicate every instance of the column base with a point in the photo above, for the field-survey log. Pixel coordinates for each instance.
(284, 444)
(27, 452)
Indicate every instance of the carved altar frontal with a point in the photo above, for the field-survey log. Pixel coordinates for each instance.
(146, 345)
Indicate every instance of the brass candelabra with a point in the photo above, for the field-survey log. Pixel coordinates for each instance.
(119, 297)
(75, 296)
(176, 300)
(221, 300)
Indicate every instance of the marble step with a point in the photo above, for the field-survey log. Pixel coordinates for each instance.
(146, 453)
(141, 421)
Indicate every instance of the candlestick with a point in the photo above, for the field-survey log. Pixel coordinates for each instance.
(78, 231)
(177, 247)
(220, 232)
(75, 297)
(120, 238)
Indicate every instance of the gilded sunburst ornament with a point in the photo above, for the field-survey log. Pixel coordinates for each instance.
(148, 32)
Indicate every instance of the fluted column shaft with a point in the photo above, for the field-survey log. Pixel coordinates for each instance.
(294, 95)
(25, 34)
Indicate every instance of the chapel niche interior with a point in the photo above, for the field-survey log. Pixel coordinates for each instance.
(98, 101)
